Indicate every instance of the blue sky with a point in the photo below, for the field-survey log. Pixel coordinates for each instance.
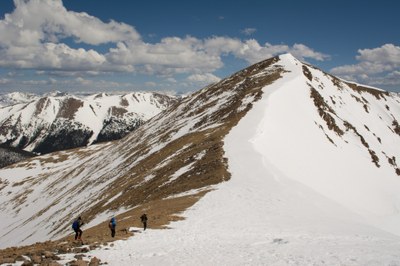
(181, 46)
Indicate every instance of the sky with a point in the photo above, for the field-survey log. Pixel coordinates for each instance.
(182, 46)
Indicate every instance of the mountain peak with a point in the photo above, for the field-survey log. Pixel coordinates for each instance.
(288, 57)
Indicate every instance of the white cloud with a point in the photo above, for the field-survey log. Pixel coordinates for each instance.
(83, 81)
(64, 73)
(37, 82)
(204, 78)
(377, 66)
(218, 46)
(171, 55)
(252, 51)
(47, 20)
(302, 51)
(33, 37)
(386, 54)
(248, 31)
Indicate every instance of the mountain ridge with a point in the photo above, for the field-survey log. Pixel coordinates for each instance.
(143, 161)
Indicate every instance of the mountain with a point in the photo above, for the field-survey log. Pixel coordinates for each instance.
(15, 98)
(59, 121)
(277, 164)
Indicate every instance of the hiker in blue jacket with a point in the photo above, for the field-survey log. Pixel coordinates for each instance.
(76, 225)
(112, 224)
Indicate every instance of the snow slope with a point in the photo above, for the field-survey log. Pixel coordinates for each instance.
(268, 213)
(343, 172)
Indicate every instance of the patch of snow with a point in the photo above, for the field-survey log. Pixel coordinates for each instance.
(179, 172)
(113, 198)
(190, 192)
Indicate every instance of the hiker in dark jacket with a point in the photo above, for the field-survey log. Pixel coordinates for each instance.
(143, 218)
(112, 224)
(77, 228)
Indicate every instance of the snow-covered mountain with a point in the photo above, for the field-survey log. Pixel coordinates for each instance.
(16, 97)
(278, 164)
(59, 121)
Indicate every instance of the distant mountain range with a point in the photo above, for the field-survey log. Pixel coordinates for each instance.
(59, 121)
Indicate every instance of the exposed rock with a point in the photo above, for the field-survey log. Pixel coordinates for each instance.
(7, 260)
(79, 263)
(79, 256)
(81, 250)
(36, 259)
(48, 254)
(94, 262)
(49, 262)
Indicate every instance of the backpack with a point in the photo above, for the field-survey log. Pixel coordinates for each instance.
(75, 225)
(113, 222)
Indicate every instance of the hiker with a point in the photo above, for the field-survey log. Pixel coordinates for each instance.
(76, 225)
(143, 218)
(112, 224)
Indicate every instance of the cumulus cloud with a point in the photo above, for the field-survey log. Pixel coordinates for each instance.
(206, 78)
(37, 21)
(252, 51)
(33, 37)
(386, 54)
(51, 56)
(171, 55)
(377, 66)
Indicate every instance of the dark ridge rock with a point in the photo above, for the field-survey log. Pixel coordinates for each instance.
(115, 128)
(11, 155)
(68, 136)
